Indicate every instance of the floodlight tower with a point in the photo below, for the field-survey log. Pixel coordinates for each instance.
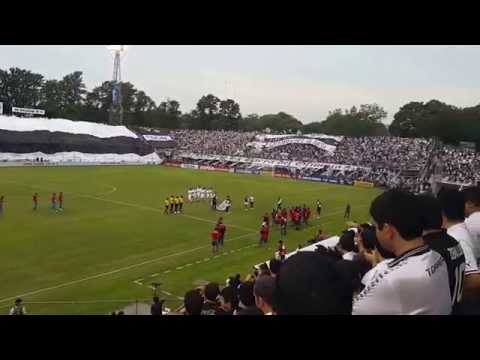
(116, 109)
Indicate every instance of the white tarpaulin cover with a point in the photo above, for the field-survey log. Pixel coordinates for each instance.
(81, 157)
(14, 123)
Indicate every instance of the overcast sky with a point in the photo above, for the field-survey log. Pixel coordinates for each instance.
(305, 81)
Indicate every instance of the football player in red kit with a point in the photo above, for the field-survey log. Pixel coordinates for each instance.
(60, 201)
(264, 234)
(266, 219)
(221, 228)
(305, 214)
(215, 235)
(35, 201)
(283, 226)
(278, 218)
(54, 201)
(296, 218)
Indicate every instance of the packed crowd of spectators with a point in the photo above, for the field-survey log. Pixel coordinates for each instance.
(214, 142)
(393, 162)
(384, 152)
(459, 165)
(420, 255)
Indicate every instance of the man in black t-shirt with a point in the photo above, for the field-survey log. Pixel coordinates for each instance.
(247, 300)
(156, 308)
(227, 301)
(438, 239)
(211, 306)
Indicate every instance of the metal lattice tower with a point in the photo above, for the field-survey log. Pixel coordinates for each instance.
(116, 109)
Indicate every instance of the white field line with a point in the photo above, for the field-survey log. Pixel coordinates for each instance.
(109, 192)
(124, 268)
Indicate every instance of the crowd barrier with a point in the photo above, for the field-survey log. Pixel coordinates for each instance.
(247, 171)
(328, 179)
(189, 166)
(213, 168)
(324, 179)
(364, 184)
(328, 243)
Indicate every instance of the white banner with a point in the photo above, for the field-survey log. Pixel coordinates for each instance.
(291, 136)
(258, 162)
(189, 166)
(314, 142)
(323, 136)
(28, 111)
(157, 138)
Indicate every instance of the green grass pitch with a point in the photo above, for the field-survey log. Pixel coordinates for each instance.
(113, 240)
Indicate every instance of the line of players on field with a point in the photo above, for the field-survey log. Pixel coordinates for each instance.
(56, 202)
(200, 193)
(173, 205)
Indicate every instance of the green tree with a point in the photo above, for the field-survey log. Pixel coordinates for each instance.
(417, 119)
(51, 97)
(250, 123)
(206, 112)
(168, 115)
(313, 128)
(281, 122)
(229, 115)
(365, 121)
(21, 88)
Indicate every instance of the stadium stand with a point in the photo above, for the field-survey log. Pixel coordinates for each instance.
(389, 162)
